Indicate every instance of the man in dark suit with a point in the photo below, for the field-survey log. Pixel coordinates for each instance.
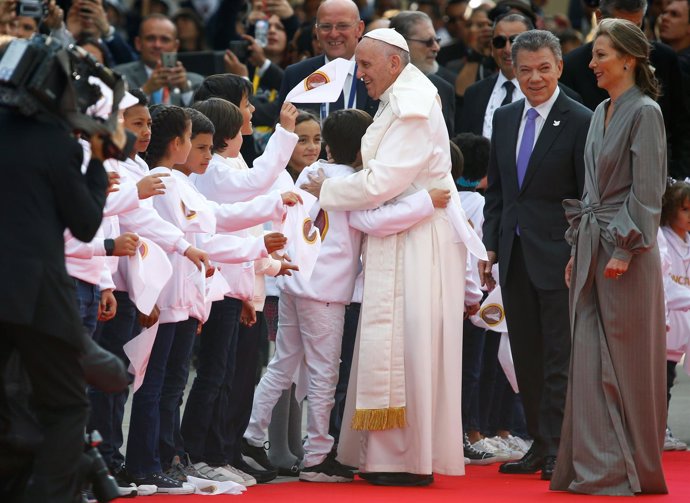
(161, 84)
(484, 97)
(44, 193)
(419, 32)
(338, 30)
(536, 161)
(578, 76)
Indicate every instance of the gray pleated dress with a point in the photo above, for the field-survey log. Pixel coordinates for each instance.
(615, 413)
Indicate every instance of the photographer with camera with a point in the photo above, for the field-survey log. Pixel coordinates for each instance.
(158, 73)
(38, 310)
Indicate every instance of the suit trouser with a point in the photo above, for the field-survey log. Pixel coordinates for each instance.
(308, 331)
(346, 353)
(539, 329)
(61, 407)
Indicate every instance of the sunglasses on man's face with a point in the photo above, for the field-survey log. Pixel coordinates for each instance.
(500, 41)
(428, 42)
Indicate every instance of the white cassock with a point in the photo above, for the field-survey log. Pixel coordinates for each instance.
(406, 149)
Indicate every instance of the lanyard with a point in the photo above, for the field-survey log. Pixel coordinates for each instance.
(350, 99)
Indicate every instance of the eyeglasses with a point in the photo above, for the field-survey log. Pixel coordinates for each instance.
(500, 41)
(428, 42)
(339, 27)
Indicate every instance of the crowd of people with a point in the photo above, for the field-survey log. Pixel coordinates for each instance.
(550, 136)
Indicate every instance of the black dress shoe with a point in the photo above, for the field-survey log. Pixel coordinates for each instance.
(530, 463)
(548, 468)
(401, 479)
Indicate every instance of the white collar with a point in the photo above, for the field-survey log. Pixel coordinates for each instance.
(545, 108)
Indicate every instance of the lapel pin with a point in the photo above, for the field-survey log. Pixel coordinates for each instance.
(556, 123)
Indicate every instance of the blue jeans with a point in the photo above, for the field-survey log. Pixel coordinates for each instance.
(143, 455)
(108, 409)
(204, 416)
(88, 298)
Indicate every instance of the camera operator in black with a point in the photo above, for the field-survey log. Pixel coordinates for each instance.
(44, 192)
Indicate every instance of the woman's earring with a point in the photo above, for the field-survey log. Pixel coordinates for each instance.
(625, 67)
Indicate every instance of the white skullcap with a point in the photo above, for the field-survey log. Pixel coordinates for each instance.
(389, 36)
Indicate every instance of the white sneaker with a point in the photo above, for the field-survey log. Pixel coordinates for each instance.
(671, 443)
(128, 491)
(503, 445)
(212, 473)
(146, 490)
(484, 445)
(237, 475)
(518, 444)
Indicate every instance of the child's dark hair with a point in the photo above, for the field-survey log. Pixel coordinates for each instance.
(304, 116)
(226, 118)
(475, 150)
(139, 95)
(200, 123)
(342, 132)
(457, 161)
(677, 192)
(227, 86)
(167, 123)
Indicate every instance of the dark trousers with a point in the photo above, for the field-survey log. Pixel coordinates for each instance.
(472, 350)
(347, 349)
(203, 421)
(670, 379)
(61, 408)
(108, 409)
(170, 442)
(539, 327)
(143, 455)
(240, 395)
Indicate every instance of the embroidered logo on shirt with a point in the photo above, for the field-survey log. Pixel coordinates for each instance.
(188, 214)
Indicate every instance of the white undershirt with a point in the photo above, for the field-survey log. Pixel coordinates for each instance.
(497, 96)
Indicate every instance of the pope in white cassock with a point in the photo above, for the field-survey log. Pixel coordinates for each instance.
(402, 417)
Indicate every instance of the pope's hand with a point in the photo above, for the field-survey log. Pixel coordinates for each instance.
(313, 186)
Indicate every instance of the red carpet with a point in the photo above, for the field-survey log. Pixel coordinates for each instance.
(482, 484)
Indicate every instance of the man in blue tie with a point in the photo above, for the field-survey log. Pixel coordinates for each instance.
(536, 161)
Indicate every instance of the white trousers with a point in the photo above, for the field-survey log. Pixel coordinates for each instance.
(311, 332)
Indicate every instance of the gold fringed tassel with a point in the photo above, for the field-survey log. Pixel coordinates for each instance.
(379, 419)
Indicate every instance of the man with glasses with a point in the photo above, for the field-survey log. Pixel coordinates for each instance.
(455, 26)
(417, 29)
(338, 30)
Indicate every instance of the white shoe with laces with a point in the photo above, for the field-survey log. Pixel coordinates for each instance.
(485, 445)
(237, 475)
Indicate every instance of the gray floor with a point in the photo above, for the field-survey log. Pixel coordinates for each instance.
(679, 414)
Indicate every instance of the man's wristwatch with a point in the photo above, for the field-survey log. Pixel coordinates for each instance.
(109, 245)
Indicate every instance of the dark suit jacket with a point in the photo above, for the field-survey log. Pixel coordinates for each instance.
(555, 172)
(44, 192)
(476, 100)
(295, 73)
(447, 95)
(135, 75)
(577, 75)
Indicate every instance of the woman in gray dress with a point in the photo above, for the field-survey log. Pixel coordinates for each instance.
(615, 414)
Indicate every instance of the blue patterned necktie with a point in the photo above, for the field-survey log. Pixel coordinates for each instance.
(526, 145)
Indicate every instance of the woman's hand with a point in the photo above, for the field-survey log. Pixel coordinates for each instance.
(569, 271)
(615, 268)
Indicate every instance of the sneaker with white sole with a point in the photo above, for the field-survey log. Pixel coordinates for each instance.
(484, 445)
(671, 443)
(211, 473)
(330, 470)
(502, 445)
(476, 457)
(164, 484)
(246, 479)
(146, 490)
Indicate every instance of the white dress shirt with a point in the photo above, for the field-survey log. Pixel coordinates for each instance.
(497, 96)
(543, 110)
